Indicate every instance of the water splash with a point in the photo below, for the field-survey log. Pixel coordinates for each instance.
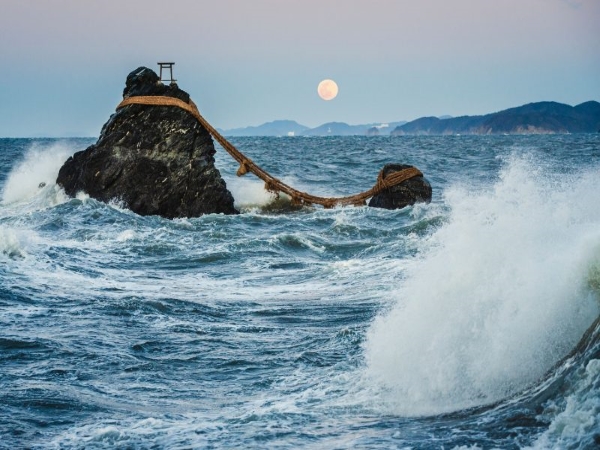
(501, 293)
(36, 174)
(249, 192)
(11, 244)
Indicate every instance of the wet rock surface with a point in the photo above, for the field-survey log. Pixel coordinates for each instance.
(409, 192)
(154, 160)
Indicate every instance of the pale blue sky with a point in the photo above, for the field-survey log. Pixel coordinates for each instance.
(246, 62)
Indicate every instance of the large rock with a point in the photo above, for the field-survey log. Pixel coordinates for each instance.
(409, 192)
(155, 160)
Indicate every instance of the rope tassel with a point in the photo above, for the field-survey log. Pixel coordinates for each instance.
(243, 170)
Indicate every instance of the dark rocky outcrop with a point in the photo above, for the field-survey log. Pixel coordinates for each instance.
(409, 192)
(155, 160)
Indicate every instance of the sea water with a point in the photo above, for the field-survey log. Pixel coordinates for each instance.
(454, 324)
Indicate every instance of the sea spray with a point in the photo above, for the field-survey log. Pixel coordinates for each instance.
(500, 294)
(11, 245)
(36, 173)
(249, 192)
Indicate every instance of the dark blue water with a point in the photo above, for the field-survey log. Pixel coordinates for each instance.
(449, 325)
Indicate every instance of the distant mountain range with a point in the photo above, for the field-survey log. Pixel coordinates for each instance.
(276, 128)
(533, 118)
(292, 128)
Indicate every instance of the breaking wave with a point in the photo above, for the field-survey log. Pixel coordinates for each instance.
(502, 291)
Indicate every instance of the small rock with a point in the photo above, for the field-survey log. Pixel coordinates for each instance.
(409, 192)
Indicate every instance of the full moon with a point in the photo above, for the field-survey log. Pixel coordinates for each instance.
(327, 89)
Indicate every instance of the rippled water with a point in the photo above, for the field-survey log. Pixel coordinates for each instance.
(437, 326)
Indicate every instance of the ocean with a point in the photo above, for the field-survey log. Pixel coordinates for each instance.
(466, 323)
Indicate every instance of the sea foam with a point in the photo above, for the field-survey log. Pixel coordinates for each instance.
(10, 243)
(576, 425)
(249, 192)
(36, 175)
(501, 292)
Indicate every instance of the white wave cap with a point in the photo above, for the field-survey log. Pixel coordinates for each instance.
(501, 293)
(36, 174)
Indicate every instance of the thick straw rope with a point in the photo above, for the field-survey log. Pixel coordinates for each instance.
(273, 184)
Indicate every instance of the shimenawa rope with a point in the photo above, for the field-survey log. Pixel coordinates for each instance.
(273, 184)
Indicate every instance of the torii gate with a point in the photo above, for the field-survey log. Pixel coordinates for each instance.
(167, 66)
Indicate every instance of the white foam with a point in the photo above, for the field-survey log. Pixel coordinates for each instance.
(249, 193)
(134, 433)
(36, 174)
(126, 235)
(500, 294)
(579, 419)
(11, 244)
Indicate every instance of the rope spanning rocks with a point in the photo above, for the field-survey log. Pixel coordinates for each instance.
(160, 161)
(383, 194)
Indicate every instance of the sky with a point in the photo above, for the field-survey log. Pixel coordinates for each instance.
(246, 62)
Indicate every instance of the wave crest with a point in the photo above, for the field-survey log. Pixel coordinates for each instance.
(500, 294)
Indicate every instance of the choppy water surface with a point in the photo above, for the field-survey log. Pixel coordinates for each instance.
(449, 325)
